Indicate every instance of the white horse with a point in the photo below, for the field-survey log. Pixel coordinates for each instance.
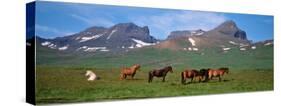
(92, 76)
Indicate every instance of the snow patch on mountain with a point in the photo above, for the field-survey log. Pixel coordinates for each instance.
(200, 33)
(93, 49)
(226, 49)
(45, 43)
(243, 45)
(63, 48)
(234, 43)
(112, 32)
(190, 49)
(267, 44)
(52, 46)
(84, 39)
(242, 49)
(142, 43)
(131, 47)
(49, 44)
(253, 47)
(195, 49)
(191, 41)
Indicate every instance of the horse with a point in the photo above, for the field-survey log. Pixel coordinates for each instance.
(217, 73)
(159, 73)
(204, 74)
(191, 74)
(131, 71)
(92, 76)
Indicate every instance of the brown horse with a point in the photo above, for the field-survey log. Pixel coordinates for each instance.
(191, 74)
(129, 71)
(217, 73)
(159, 73)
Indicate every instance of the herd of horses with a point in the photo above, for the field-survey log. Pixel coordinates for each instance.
(203, 75)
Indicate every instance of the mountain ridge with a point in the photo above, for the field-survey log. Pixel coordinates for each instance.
(128, 36)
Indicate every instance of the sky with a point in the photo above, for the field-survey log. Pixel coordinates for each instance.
(57, 19)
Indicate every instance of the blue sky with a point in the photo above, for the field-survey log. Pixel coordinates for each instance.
(55, 19)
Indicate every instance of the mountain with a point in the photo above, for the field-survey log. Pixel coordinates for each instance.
(224, 37)
(119, 37)
(185, 33)
(128, 36)
(228, 28)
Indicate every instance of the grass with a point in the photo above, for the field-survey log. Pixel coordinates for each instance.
(155, 58)
(64, 85)
(60, 76)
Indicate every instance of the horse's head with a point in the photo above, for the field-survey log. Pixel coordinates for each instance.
(170, 69)
(136, 67)
(226, 71)
(224, 68)
(203, 71)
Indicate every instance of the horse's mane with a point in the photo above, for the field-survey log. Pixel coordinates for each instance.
(224, 68)
(169, 67)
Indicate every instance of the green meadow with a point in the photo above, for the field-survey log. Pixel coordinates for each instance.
(60, 77)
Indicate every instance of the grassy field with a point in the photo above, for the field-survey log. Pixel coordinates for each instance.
(60, 76)
(61, 85)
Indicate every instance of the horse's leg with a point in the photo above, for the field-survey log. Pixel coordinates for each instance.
(121, 76)
(191, 79)
(125, 76)
(133, 75)
(150, 77)
(200, 78)
(182, 78)
(206, 78)
(220, 78)
(211, 77)
(163, 79)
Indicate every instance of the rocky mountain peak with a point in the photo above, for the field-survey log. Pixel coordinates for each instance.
(231, 29)
(185, 33)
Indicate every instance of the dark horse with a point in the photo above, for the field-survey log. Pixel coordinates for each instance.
(159, 73)
(191, 74)
(204, 74)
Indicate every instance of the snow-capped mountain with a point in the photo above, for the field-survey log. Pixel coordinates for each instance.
(128, 36)
(224, 36)
(119, 37)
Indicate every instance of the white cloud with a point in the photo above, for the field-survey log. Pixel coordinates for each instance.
(50, 30)
(183, 20)
(93, 21)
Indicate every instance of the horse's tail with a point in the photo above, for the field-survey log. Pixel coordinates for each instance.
(182, 77)
(98, 78)
(150, 76)
(121, 76)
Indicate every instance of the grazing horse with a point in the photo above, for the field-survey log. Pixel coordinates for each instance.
(129, 71)
(159, 73)
(217, 73)
(92, 76)
(191, 74)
